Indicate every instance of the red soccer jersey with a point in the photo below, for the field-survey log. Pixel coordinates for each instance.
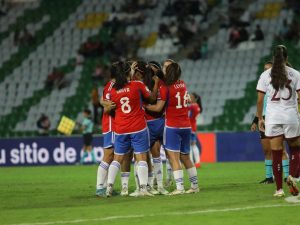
(194, 111)
(130, 115)
(107, 120)
(176, 97)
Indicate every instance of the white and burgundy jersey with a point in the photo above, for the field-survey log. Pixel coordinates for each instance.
(282, 106)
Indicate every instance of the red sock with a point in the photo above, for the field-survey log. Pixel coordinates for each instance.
(277, 167)
(294, 161)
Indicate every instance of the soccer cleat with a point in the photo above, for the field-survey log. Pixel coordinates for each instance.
(144, 191)
(109, 190)
(267, 181)
(101, 192)
(192, 190)
(152, 190)
(162, 191)
(279, 193)
(124, 191)
(177, 192)
(135, 193)
(292, 185)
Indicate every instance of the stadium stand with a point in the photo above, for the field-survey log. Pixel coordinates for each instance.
(225, 79)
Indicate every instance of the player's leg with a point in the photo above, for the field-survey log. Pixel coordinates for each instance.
(292, 133)
(141, 145)
(172, 145)
(285, 163)
(194, 149)
(108, 156)
(86, 143)
(122, 147)
(125, 173)
(265, 142)
(185, 159)
(275, 132)
(158, 167)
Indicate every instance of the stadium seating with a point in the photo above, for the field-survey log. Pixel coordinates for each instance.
(225, 80)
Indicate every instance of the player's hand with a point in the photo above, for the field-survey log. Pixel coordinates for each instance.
(253, 127)
(155, 78)
(110, 105)
(261, 125)
(133, 67)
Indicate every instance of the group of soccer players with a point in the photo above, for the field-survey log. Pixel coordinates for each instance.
(280, 86)
(147, 106)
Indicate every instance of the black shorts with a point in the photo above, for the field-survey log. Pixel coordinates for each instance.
(87, 139)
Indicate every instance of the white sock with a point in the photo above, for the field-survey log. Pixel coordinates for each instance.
(192, 154)
(196, 153)
(150, 178)
(178, 176)
(157, 170)
(192, 172)
(125, 179)
(169, 170)
(142, 172)
(102, 174)
(136, 177)
(112, 172)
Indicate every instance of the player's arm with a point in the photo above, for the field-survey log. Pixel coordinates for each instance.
(158, 107)
(107, 105)
(153, 96)
(259, 104)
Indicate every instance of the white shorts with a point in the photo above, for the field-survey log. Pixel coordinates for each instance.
(288, 130)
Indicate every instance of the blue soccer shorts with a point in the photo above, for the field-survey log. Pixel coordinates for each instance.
(139, 141)
(108, 140)
(177, 139)
(156, 130)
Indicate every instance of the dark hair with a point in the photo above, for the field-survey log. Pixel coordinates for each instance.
(88, 112)
(269, 62)
(198, 101)
(122, 75)
(155, 64)
(278, 72)
(173, 73)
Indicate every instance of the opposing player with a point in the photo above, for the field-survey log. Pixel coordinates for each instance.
(130, 126)
(281, 84)
(265, 142)
(107, 131)
(195, 108)
(177, 127)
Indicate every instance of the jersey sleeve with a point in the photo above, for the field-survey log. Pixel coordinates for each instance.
(298, 82)
(261, 85)
(144, 90)
(163, 93)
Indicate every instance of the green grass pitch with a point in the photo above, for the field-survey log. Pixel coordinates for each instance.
(230, 194)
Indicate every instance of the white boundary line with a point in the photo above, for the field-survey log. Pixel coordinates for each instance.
(159, 214)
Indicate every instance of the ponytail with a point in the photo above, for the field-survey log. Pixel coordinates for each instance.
(278, 72)
(121, 75)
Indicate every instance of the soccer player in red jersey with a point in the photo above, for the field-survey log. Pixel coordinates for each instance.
(177, 127)
(194, 110)
(130, 126)
(107, 131)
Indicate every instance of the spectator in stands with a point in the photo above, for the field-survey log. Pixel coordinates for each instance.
(244, 35)
(98, 73)
(258, 34)
(164, 31)
(27, 38)
(56, 79)
(17, 37)
(234, 37)
(294, 31)
(96, 104)
(91, 48)
(43, 125)
(173, 29)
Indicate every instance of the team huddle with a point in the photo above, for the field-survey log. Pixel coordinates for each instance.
(146, 107)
